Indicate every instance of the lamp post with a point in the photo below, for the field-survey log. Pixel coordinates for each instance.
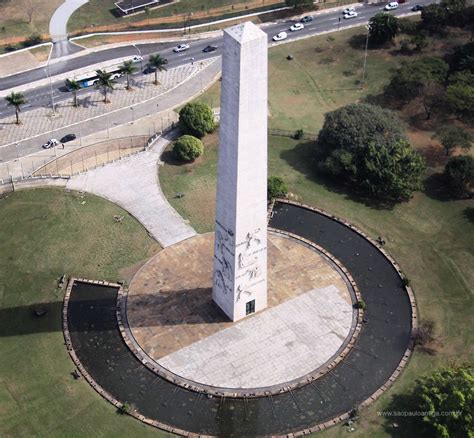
(365, 56)
(50, 88)
(141, 57)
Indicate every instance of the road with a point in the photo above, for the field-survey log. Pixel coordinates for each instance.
(41, 96)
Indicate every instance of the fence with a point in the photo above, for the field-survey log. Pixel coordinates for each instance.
(298, 135)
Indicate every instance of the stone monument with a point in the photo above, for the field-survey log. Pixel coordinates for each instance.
(240, 247)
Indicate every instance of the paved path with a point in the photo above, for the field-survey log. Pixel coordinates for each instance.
(133, 184)
(58, 22)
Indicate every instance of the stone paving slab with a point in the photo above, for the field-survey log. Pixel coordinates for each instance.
(273, 347)
(133, 184)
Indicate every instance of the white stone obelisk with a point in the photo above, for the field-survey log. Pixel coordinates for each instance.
(240, 249)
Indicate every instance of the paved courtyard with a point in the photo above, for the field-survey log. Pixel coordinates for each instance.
(173, 318)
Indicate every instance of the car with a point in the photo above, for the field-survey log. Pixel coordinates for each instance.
(149, 69)
(50, 143)
(137, 58)
(280, 36)
(417, 8)
(306, 19)
(391, 6)
(351, 14)
(348, 10)
(296, 27)
(68, 137)
(209, 48)
(181, 48)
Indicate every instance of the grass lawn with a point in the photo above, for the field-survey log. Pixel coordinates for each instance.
(45, 233)
(431, 236)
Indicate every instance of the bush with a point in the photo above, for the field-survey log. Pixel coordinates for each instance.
(361, 304)
(197, 119)
(459, 174)
(188, 148)
(33, 40)
(276, 187)
(298, 134)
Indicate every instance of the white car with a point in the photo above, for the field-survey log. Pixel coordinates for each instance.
(391, 6)
(50, 144)
(348, 10)
(296, 27)
(351, 14)
(280, 36)
(137, 58)
(181, 48)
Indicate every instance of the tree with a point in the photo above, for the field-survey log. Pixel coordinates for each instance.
(452, 137)
(16, 100)
(105, 81)
(127, 68)
(158, 64)
(74, 87)
(462, 58)
(434, 17)
(366, 145)
(408, 80)
(383, 27)
(432, 95)
(197, 119)
(459, 174)
(449, 390)
(460, 95)
(188, 148)
(299, 4)
(276, 187)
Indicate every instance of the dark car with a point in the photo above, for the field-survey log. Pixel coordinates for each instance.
(208, 49)
(417, 8)
(306, 19)
(68, 137)
(149, 69)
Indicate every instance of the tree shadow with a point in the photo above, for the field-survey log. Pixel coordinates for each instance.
(468, 213)
(397, 423)
(436, 188)
(304, 159)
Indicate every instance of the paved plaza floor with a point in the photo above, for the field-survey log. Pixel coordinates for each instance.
(172, 316)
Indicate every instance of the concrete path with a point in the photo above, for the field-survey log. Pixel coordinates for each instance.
(133, 184)
(58, 22)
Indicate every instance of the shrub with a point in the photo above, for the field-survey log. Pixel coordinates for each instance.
(361, 304)
(33, 40)
(197, 119)
(298, 134)
(459, 174)
(188, 148)
(276, 187)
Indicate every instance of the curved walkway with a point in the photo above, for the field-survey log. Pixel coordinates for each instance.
(58, 22)
(383, 347)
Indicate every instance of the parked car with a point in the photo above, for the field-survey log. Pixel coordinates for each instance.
(137, 58)
(181, 48)
(50, 143)
(351, 14)
(68, 137)
(391, 6)
(306, 19)
(148, 69)
(348, 10)
(417, 8)
(296, 27)
(280, 36)
(209, 48)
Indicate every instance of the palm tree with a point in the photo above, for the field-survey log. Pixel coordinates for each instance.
(158, 63)
(16, 100)
(127, 68)
(74, 87)
(104, 80)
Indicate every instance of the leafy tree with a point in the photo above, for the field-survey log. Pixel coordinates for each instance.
(382, 28)
(434, 17)
(16, 100)
(158, 64)
(420, 41)
(197, 119)
(460, 96)
(452, 137)
(299, 4)
(432, 95)
(105, 81)
(446, 390)
(74, 87)
(188, 148)
(459, 174)
(462, 58)
(366, 145)
(408, 81)
(127, 68)
(276, 187)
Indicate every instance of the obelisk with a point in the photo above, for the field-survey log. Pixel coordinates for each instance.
(240, 248)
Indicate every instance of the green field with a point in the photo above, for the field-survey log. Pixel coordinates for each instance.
(431, 236)
(46, 233)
